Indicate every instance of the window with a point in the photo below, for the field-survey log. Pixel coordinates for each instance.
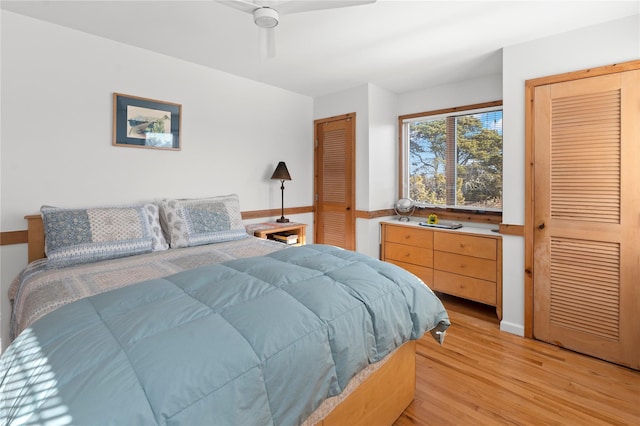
(453, 159)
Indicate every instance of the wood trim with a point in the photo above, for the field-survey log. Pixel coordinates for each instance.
(21, 237)
(454, 109)
(13, 237)
(530, 86)
(586, 73)
(447, 214)
(506, 229)
(461, 215)
(374, 214)
(529, 191)
(336, 118)
(499, 276)
(400, 158)
(258, 214)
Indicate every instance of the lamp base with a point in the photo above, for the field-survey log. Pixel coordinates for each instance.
(282, 220)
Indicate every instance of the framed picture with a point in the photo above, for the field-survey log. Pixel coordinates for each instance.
(146, 123)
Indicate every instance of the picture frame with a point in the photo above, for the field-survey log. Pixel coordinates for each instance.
(146, 123)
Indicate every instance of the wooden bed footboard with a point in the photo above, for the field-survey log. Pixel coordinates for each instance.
(383, 396)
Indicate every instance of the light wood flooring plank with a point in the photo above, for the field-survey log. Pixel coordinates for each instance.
(482, 376)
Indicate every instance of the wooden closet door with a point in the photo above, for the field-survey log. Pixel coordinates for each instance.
(587, 216)
(335, 181)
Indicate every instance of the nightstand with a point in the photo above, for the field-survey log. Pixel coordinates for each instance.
(279, 231)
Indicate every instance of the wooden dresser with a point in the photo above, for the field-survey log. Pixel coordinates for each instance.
(465, 262)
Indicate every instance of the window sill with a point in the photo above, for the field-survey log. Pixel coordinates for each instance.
(460, 215)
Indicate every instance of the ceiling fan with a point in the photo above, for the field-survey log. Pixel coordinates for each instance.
(266, 15)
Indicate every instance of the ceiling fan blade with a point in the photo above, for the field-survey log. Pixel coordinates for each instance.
(299, 6)
(267, 43)
(266, 15)
(243, 5)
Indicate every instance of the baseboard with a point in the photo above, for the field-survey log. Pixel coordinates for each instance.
(512, 328)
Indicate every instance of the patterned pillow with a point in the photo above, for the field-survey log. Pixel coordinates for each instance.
(74, 236)
(193, 222)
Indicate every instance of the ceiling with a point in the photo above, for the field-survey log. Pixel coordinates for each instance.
(398, 45)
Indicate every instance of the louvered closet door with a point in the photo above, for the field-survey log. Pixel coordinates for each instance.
(335, 217)
(587, 216)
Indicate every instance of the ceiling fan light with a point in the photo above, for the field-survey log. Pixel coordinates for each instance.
(265, 17)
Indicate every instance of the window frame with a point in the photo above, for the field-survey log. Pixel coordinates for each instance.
(455, 212)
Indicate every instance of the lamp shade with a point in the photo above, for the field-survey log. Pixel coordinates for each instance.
(281, 172)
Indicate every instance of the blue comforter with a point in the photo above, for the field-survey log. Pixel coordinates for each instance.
(251, 341)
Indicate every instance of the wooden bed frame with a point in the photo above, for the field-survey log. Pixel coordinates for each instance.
(380, 399)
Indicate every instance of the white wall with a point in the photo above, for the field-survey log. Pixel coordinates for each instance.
(383, 140)
(606, 44)
(57, 87)
(352, 100)
(382, 182)
(376, 152)
(468, 92)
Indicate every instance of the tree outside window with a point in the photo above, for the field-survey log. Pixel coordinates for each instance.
(455, 160)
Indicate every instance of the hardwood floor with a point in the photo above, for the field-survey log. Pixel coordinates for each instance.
(482, 376)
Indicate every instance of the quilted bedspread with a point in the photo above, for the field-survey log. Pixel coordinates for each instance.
(261, 340)
(38, 290)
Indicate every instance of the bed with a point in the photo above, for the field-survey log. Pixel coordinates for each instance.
(204, 324)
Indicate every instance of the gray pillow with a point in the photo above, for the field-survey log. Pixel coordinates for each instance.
(198, 221)
(74, 236)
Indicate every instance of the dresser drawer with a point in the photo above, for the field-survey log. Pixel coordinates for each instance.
(425, 274)
(465, 244)
(408, 254)
(467, 287)
(465, 265)
(409, 235)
